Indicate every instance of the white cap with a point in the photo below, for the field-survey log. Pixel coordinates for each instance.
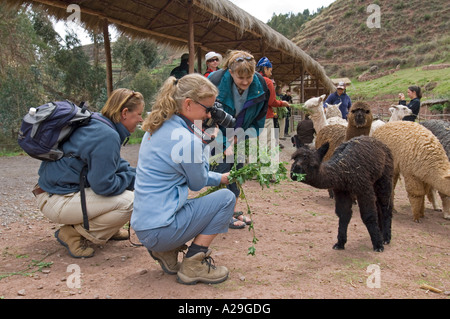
(341, 85)
(213, 54)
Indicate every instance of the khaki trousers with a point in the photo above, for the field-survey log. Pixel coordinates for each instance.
(106, 214)
(268, 137)
(282, 122)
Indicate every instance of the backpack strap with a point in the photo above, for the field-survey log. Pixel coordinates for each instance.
(83, 175)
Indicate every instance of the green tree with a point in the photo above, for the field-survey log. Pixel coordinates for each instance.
(288, 24)
(132, 56)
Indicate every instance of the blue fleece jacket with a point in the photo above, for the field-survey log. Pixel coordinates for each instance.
(97, 145)
(171, 161)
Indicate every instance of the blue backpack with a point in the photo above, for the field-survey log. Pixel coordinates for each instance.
(45, 128)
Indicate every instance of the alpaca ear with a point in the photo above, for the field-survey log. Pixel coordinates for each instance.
(323, 150)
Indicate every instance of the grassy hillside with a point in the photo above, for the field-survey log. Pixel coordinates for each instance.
(388, 87)
(412, 33)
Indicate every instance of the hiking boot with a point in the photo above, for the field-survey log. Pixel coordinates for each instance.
(168, 259)
(200, 267)
(74, 242)
(122, 234)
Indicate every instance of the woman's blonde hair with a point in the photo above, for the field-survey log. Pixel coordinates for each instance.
(240, 62)
(171, 95)
(119, 100)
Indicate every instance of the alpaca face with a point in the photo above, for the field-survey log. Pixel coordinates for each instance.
(398, 112)
(307, 161)
(314, 103)
(360, 115)
(303, 158)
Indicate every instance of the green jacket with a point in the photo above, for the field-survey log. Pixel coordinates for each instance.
(253, 114)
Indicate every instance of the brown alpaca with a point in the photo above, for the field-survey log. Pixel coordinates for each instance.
(359, 122)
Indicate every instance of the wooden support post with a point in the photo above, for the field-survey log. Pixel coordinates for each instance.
(191, 36)
(109, 79)
(199, 59)
(302, 85)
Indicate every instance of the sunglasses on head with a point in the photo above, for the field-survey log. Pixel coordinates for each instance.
(213, 60)
(243, 58)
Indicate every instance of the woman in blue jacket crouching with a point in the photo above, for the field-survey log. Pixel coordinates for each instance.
(173, 158)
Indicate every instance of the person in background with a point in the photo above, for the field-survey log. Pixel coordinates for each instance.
(183, 69)
(173, 159)
(340, 96)
(281, 115)
(110, 179)
(287, 97)
(305, 133)
(213, 61)
(264, 67)
(415, 94)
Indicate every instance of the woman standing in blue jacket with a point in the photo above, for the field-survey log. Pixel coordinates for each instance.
(173, 158)
(109, 179)
(243, 93)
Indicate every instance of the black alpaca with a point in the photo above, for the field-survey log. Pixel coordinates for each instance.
(362, 167)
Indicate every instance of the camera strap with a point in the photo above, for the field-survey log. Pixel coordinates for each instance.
(197, 131)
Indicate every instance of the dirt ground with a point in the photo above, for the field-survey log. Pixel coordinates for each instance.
(296, 227)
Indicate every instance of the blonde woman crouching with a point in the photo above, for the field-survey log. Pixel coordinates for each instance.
(172, 160)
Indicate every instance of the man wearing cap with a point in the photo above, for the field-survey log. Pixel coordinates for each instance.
(340, 96)
(213, 61)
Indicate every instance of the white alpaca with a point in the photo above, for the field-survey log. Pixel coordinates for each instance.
(333, 110)
(317, 114)
(398, 112)
(334, 115)
(315, 106)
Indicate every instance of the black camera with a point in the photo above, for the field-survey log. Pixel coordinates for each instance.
(220, 117)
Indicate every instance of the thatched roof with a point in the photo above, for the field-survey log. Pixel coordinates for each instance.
(219, 25)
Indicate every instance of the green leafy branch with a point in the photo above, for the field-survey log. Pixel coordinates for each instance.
(40, 264)
(262, 170)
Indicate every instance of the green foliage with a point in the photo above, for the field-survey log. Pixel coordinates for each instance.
(262, 170)
(37, 66)
(288, 24)
(440, 107)
(399, 82)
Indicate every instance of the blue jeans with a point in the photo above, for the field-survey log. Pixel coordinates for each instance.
(208, 215)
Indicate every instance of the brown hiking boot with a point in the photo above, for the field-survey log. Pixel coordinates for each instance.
(200, 267)
(72, 240)
(122, 234)
(168, 259)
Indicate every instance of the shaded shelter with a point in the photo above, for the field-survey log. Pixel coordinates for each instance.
(199, 25)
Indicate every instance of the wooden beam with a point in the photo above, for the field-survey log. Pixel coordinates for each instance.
(63, 5)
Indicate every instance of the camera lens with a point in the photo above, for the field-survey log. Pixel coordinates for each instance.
(221, 117)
